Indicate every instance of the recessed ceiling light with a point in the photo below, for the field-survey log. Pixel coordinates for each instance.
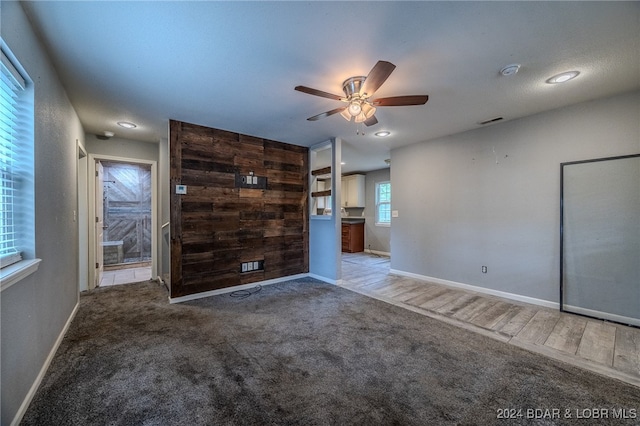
(127, 124)
(342, 163)
(563, 77)
(510, 70)
(382, 134)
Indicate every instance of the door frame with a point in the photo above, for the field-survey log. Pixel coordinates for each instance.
(83, 221)
(93, 159)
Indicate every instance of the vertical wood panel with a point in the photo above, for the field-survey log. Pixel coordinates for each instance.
(216, 226)
(175, 178)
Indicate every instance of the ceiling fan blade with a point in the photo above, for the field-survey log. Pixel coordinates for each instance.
(316, 92)
(401, 100)
(326, 114)
(378, 75)
(371, 121)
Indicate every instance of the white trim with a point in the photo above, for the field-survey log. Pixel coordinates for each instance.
(225, 290)
(379, 253)
(36, 384)
(325, 279)
(9, 63)
(93, 158)
(504, 294)
(601, 315)
(82, 151)
(18, 271)
(9, 259)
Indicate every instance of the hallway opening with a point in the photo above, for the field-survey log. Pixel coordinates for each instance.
(126, 208)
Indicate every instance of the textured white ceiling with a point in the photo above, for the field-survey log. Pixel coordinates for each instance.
(233, 65)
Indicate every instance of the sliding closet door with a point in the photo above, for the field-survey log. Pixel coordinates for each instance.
(600, 233)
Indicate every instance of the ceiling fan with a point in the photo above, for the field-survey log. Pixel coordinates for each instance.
(358, 91)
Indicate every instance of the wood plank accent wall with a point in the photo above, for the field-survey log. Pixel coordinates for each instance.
(216, 226)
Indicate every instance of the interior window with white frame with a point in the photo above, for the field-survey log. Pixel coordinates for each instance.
(17, 222)
(383, 203)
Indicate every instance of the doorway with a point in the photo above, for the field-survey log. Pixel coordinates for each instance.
(126, 207)
(123, 203)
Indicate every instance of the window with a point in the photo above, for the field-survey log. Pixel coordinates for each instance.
(16, 173)
(383, 203)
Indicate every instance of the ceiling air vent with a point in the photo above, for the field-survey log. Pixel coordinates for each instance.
(492, 120)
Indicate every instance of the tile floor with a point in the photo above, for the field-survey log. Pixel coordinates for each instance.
(603, 347)
(125, 276)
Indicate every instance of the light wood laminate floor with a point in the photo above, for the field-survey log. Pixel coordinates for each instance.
(124, 275)
(599, 346)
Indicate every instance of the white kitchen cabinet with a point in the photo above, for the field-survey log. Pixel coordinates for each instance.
(353, 191)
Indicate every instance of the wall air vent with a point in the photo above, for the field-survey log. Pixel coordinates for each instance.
(492, 120)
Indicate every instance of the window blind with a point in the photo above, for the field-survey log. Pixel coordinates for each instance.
(11, 84)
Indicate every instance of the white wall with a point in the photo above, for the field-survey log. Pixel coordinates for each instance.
(376, 238)
(35, 310)
(492, 196)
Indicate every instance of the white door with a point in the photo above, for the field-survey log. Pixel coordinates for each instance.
(99, 221)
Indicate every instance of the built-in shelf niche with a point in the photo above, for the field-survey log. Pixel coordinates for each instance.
(320, 185)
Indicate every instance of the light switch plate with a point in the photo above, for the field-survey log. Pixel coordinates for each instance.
(394, 213)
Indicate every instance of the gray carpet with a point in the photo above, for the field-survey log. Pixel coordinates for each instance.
(301, 352)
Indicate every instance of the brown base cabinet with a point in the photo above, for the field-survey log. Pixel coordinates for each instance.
(352, 237)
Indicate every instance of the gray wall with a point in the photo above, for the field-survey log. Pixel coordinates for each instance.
(125, 148)
(491, 196)
(376, 238)
(35, 310)
(601, 229)
(325, 233)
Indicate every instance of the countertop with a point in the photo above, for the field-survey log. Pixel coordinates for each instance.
(350, 220)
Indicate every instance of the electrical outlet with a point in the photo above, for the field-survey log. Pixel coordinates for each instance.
(484, 269)
(257, 265)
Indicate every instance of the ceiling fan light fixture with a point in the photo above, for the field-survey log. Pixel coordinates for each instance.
(368, 110)
(357, 93)
(345, 114)
(360, 118)
(355, 108)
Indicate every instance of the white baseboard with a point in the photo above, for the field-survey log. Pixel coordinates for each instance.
(603, 315)
(225, 290)
(379, 253)
(504, 294)
(325, 279)
(36, 384)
